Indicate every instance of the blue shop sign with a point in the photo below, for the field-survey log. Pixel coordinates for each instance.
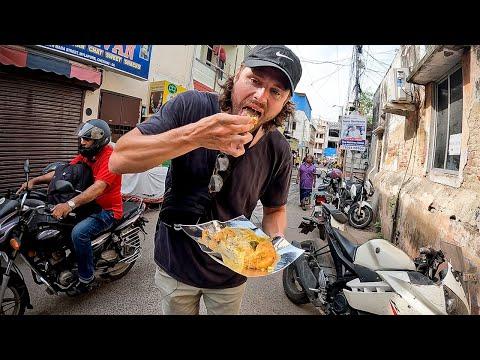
(133, 60)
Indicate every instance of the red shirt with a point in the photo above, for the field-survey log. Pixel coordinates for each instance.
(111, 199)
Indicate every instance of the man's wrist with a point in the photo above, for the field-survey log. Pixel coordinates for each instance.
(71, 204)
(189, 135)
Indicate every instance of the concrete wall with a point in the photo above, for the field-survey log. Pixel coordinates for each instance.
(433, 207)
(169, 62)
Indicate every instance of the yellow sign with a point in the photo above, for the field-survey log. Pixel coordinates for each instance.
(160, 92)
(171, 90)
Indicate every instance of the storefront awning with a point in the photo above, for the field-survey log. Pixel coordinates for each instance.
(22, 57)
(438, 60)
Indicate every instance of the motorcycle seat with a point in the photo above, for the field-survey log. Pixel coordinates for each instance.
(129, 208)
(335, 213)
(34, 202)
(349, 249)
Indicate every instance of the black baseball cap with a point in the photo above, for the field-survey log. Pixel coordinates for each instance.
(277, 56)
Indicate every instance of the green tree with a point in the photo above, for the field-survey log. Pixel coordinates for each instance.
(366, 106)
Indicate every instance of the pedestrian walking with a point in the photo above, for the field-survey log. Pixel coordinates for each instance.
(306, 179)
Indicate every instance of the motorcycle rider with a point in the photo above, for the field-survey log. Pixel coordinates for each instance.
(94, 150)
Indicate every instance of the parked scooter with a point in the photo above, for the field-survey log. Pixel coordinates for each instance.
(376, 277)
(29, 231)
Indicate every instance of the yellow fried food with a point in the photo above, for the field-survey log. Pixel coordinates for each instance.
(263, 256)
(242, 248)
(253, 116)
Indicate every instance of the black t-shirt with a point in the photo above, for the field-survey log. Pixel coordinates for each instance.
(263, 172)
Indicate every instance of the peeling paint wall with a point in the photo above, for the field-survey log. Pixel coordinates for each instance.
(432, 207)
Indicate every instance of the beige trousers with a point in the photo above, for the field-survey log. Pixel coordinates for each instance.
(182, 299)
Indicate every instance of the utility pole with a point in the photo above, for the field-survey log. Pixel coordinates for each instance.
(358, 65)
(356, 102)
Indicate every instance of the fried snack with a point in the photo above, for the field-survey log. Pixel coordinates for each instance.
(254, 120)
(253, 116)
(242, 248)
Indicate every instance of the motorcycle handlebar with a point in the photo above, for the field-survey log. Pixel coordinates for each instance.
(432, 252)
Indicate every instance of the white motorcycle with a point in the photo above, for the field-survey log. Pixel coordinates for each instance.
(373, 278)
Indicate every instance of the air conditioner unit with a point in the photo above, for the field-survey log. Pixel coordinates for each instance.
(403, 91)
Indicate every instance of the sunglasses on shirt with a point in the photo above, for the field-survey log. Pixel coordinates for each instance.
(220, 172)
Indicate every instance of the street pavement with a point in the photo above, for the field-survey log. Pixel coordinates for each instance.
(136, 294)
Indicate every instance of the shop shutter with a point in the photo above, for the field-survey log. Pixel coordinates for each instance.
(38, 121)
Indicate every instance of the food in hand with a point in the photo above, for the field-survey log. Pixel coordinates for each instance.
(242, 248)
(253, 116)
(254, 120)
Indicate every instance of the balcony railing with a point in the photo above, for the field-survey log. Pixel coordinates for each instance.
(210, 71)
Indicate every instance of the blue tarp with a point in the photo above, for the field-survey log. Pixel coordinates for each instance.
(330, 151)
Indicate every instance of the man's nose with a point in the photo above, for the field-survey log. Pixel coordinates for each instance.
(261, 94)
(83, 141)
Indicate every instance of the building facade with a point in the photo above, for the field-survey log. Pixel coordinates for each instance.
(320, 132)
(301, 127)
(425, 152)
(47, 91)
(209, 71)
(332, 141)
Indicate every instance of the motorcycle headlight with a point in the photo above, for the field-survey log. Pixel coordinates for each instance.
(454, 304)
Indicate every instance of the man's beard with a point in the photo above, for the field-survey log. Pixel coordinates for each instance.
(89, 153)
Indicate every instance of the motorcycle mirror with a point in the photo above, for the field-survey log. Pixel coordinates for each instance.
(26, 167)
(63, 186)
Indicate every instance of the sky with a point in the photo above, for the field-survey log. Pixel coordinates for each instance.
(326, 74)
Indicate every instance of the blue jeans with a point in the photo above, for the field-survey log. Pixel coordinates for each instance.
(82, 235)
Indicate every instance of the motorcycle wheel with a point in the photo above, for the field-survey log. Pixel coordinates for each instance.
(13, 303)
(292, 287)
(360, 221)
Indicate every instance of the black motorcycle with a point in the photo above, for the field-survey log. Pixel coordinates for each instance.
(29, 231)
(349, 196)
(313, 277)
(352, 200)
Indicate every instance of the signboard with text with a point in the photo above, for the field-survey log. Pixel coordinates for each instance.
(133, 60)
(354, 132)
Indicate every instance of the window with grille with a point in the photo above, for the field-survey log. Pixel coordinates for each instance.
(448, 122)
